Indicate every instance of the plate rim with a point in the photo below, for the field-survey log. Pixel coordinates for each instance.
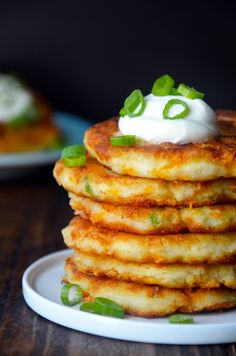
(34, 300)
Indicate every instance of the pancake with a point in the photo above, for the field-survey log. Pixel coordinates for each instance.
(95, 181)
(189, 162)
(138, 220)
(170, 276)
(33, 137)
(178, 248)
(148, 300)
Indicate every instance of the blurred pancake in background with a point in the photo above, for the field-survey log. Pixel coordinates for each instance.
(25, 118)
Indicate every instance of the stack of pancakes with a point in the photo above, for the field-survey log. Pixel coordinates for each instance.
(155, 225)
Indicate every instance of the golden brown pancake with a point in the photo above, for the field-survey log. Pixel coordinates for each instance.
(165, 275)
(148, 300)
(178, 248)
(189, 162)
(138, 220)
(95, 181)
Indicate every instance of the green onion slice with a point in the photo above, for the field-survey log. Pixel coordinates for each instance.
(87, 187)
(154, 220)
(172, 102)
(74, 150)
(74, 156)
(74, 161)
(103, 306)
(163, 85)
(122, 112)
(181, 319)
(88, 307)
(189, 92)
(126, 140)
(174, 92)
(134, 105)
(71, 294)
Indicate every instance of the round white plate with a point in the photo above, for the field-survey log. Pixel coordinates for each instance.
(41, 290)
(72, 128)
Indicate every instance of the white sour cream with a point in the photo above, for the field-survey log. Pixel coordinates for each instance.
(198, 126)
(14, 98)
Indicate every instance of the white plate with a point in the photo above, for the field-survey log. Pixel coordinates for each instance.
(72, 128)
(41, 290)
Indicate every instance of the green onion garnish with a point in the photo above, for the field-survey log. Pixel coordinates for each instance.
(126, 140)
(88, 187)
(122, 112)
(181, 319)
(134, 105)
(89, 307)
(163, 85)
(154, 220)
(77, 150)
(74, 161)
(172, 102)
(74, 156)
(174, 92)
(71, 294)
(189, 92)
(103, 306)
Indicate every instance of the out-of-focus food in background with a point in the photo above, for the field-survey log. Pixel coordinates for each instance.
(25, 118)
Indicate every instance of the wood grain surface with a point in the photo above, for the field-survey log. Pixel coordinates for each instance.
(32, 212)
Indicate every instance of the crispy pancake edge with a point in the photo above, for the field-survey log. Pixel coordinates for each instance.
(192, 162)
(150, 301)
(178, 248)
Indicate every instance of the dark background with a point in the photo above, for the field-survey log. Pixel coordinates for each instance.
(86, 56)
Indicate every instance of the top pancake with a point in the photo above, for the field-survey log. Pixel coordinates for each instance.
(189, 162)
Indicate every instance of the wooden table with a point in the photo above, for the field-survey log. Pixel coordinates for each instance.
(32, 213)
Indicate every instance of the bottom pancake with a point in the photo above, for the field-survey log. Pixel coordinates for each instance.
(148, 300)
(170, 275)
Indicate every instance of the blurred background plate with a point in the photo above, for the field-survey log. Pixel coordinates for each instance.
(17, 164)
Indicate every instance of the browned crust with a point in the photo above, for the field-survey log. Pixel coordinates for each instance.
(147, 300)
(180, 276)
(168, 157)
(178, 248)
(147, 192)
(138, 220)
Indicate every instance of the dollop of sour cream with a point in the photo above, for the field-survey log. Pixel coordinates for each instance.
(198, 125)
(14, 98)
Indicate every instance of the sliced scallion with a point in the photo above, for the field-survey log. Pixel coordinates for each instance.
(181, 319)
(74, 150)
(174, 92)
(126, 140)
(163, 85)
(154, 220)
(103, 306)
(71, 294)
(169, 105)
(74, 161)
(87, 187)
(73, 156)
(134, 104)
(189, 92)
